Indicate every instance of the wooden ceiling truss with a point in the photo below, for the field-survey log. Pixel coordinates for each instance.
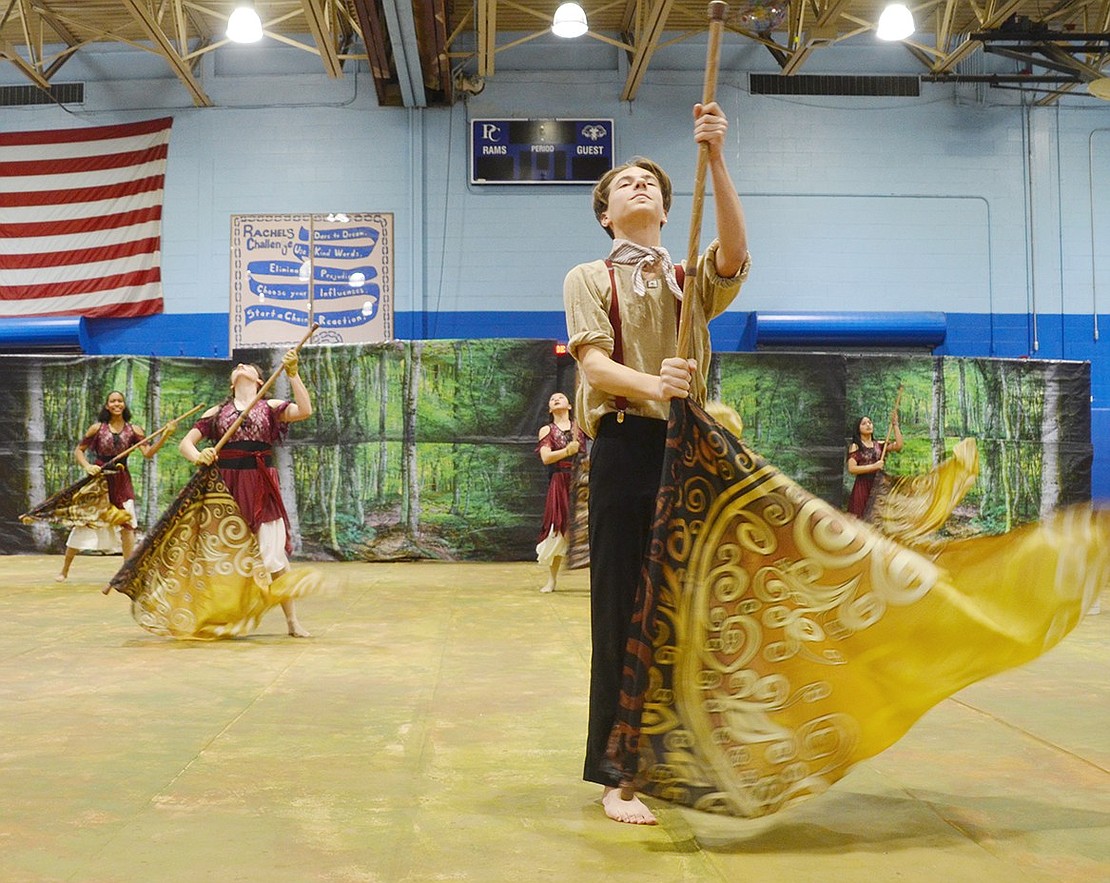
(425, 52)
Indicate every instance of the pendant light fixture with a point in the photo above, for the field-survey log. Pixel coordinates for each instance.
(244, 25)
(896, 22)
(569, 21)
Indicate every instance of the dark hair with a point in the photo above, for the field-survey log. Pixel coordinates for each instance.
(601, 188)
(856, 440)
(570, 404)
(104, 416)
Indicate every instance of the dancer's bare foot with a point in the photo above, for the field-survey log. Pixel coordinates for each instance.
(296, 630)
(289, 608)
(622, 805)
(548, 587)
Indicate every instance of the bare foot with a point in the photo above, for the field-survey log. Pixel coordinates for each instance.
(548, 587)
(296, 630)
(632, 810)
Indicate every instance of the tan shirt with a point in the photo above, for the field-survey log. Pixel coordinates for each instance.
(648, 328)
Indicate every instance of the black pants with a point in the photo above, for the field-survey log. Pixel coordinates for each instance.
(626, 462)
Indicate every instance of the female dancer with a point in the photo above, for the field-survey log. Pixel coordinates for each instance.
(112, 434)
(559, 443)
(245, 461)
(866, 459)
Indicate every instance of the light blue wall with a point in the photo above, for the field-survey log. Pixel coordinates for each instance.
(962, 200)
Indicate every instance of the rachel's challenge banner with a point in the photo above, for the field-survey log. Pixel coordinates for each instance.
(278, 287)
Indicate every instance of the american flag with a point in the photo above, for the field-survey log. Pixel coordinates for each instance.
(81, 220)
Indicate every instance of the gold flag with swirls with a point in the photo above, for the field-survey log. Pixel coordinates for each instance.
(781, 641)
(85, 503)
(911, 508)
(199, 573)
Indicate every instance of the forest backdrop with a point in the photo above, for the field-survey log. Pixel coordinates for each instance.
(426, 449)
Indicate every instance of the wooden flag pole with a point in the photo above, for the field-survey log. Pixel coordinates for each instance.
(149, 438)
(893, 416)
(717, 11)
(262, 390)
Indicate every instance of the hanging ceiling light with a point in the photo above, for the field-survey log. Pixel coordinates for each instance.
(896, 22)
(244, 25)
(569, 21)
(1100, 88)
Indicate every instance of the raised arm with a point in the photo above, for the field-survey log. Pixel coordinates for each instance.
(711, 128)
(896, 444)
(149, 448)
(301, 407)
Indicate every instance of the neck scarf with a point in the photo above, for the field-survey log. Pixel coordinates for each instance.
(641, 256)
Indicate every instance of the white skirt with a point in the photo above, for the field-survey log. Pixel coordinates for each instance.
(271, 539)
(553, 546)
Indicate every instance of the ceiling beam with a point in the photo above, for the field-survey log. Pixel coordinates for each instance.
(164, 45)
(628, 16)
(26, 17)
(646, 42)
(821, 33)
(181, 28)
(1078, 54)
(321, 34)
(432, 31)
(486, 37)
(1086, 72)
(38, 14)
(945, 16)
(1102, 21)
(995, 17)
(379, 52)
(8, 51)
(920, 54)
(406, 51)
(795, 23)
(1061, 66)
(27, 20)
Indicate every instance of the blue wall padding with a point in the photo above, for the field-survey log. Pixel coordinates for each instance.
(911, 329)
(163, 334)
(46, 332)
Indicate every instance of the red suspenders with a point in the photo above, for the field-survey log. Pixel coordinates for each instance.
(615, 320)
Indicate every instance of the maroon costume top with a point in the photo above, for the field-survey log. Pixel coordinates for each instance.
(861, 490)
(104, 445)
(246, 461)
(556, 509)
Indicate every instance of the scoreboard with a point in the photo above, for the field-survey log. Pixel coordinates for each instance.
(540, 151)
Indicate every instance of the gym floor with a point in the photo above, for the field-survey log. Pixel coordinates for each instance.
(431, 729)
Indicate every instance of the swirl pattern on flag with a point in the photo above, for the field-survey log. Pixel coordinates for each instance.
(199, 573)
(911, 508)
(81, 220)
(85, 503)
(779, 641)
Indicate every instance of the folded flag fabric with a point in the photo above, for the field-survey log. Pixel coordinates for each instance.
(778, 641)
